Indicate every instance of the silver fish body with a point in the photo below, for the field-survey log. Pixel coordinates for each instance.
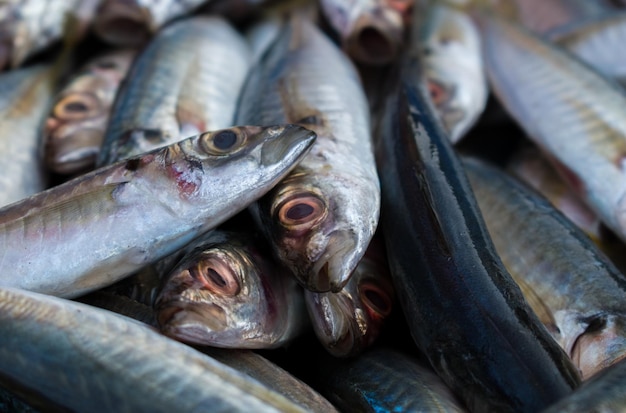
(323, 215)
(596, 42)
(81, 358)
(134, 22)
(349, 321)
(543, 16)
(273, 376)
(75, 127)
(574, 114)
(574, 289)
(226, 291)
(186, 81)
(102, 226)
(29, 26)
(603, 393)
(384, 380)
(25, 98)
(449, 45)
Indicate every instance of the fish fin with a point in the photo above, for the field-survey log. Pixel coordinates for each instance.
(539, 307)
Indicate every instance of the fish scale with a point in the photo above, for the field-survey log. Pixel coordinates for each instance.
(575, 114)
(178, 84)
(305, 78)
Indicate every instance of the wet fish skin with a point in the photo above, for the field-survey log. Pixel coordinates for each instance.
(273, 376)
(348, 322)
(577, 292)
(383, 380)
(102, 226)
(371, 31)
(29, 26)
(574, 114)
(595, 40)
(226, 291)
(603, 393)
(186, 81)
(25, 98)
(76, 359)
(449, 46)
(321, 217)
(75, 127)
(133, 22)
(463, 309)
(544, 16)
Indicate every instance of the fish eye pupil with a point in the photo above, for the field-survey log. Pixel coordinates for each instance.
(377, 300)
(225, 139)
(76, 107)
(216, 278)
(299, 211)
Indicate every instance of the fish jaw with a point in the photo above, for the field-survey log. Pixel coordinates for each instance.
(376, 36)
(602, 344)
(74, 146)
(122, 22)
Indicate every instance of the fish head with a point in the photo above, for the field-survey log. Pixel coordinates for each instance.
(124, 22)
(375, 34)
(349, 321)
(245, 162)
(602, 343)
(223, 294)
(318, 228)
(451, 55)
(74, 130)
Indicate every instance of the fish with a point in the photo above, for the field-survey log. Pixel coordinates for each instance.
(576, 291)
(603, 393)
(594, 41)
(80, 358)
(348, 322)
(543, 16)
(132, 23)
(464, 311)
(322, 216)
(449, 46)
(75, 127)
(575, 115)
(30, 26)
(273, 376)
(383, 380)
(102, 226)
(27, 94)
(186, 81)
(371, 31)
(529, 165)
(226, 291)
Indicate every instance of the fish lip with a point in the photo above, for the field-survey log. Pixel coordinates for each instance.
(183, 321)
(284, 140)
(63, 161)
(334, 272)
(376, 37)
(123, 23)
(339, 339)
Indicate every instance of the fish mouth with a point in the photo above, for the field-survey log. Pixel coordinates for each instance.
(334, 322)
(123, 23)
(191, 322)
(333, 269)
(72, 151)
(376, 37)
(283, 142)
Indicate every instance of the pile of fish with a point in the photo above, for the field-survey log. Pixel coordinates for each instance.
(290, 206)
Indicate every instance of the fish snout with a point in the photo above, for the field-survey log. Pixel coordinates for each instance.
(285, 142)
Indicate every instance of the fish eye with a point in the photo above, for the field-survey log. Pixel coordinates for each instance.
(222, 142)
(218, 277)
(376, 298)
(76, 106)
(302, 210)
